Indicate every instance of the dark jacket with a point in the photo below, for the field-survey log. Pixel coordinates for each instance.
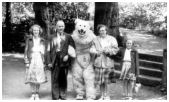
(51, 49)
(134, 60)
(28, 49)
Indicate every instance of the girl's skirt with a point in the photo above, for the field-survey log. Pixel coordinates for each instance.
(35, 74)
(126, 71)
(102, 75)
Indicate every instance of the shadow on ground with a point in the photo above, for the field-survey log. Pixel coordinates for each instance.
(14, 88)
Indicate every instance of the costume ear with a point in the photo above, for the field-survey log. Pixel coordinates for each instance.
(71, 51)
(77, 20)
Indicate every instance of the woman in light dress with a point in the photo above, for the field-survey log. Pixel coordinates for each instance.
(34, 61)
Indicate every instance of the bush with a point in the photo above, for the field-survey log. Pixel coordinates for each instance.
(15, 41)
(159, 29)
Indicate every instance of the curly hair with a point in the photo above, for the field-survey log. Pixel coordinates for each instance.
(100, 26)
(35, 25)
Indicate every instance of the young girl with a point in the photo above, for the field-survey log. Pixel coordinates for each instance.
(103, 47)
(34, 60)
(130, 68)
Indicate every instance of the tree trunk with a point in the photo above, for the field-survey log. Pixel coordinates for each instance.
(107, 13)
(8, 17)
(44, 17)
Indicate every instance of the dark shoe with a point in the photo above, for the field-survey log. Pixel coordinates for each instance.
(61, 98)
(55, 99)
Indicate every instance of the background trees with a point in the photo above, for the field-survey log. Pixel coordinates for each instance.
(23, 15)
(17, 17)
(108, 13)
(148, 16)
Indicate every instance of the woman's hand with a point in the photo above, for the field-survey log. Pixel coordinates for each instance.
(106, 51)
(98, 53)
(65, 58)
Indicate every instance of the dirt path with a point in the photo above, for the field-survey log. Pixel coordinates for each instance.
(146, 43)
(13, 87)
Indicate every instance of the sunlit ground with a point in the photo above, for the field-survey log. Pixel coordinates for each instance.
(146, 43)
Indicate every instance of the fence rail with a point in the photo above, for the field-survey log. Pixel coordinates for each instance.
(150, 67)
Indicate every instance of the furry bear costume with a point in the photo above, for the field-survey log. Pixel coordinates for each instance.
(82, 66)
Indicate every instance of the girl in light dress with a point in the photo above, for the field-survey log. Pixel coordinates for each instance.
(34, 61)
(130, 69)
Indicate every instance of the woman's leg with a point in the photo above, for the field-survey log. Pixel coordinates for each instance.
(102, 92)
(37, 86)
(32, 88)
(131, 87)
(107, 97)
(33, 91)
(125, 87)
(101, 89)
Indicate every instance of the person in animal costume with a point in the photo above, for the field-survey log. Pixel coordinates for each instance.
(82, 65)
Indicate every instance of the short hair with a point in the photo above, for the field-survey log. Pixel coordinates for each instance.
(100, 26)
(60, 21)
(35, 25)
(125, 41)
(57, 23)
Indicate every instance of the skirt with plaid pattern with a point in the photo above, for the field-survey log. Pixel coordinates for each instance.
(102, 75)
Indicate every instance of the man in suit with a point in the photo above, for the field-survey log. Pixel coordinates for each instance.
(58, 60)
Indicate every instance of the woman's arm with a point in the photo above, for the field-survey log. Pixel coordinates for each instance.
(26, 61)
(43, 50)
(114, 47)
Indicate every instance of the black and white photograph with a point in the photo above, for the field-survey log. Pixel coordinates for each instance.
(88, 50)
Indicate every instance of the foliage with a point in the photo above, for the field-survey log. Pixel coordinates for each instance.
(15, 41)
(22, 17)
(67, 11)
(142, 16)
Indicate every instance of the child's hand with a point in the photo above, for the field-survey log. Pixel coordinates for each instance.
(27, 65)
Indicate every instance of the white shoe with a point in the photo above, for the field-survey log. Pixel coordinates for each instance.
(37, 97)
(32, 97)
(107, 98)
(130, 98)
(101, 98)
(79, 97)
(137, 87)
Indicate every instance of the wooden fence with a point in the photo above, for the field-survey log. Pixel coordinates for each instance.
(150, 67)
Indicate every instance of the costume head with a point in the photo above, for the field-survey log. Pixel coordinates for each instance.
(82, 27)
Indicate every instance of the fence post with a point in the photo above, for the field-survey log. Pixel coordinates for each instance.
(164, 71)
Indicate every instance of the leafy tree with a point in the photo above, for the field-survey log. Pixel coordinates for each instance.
(142, 13)
(8, 17)
(108, 13)
(46, 14)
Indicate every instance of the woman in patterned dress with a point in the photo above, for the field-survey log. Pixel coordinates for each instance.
(34, 60)
(103, 47)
